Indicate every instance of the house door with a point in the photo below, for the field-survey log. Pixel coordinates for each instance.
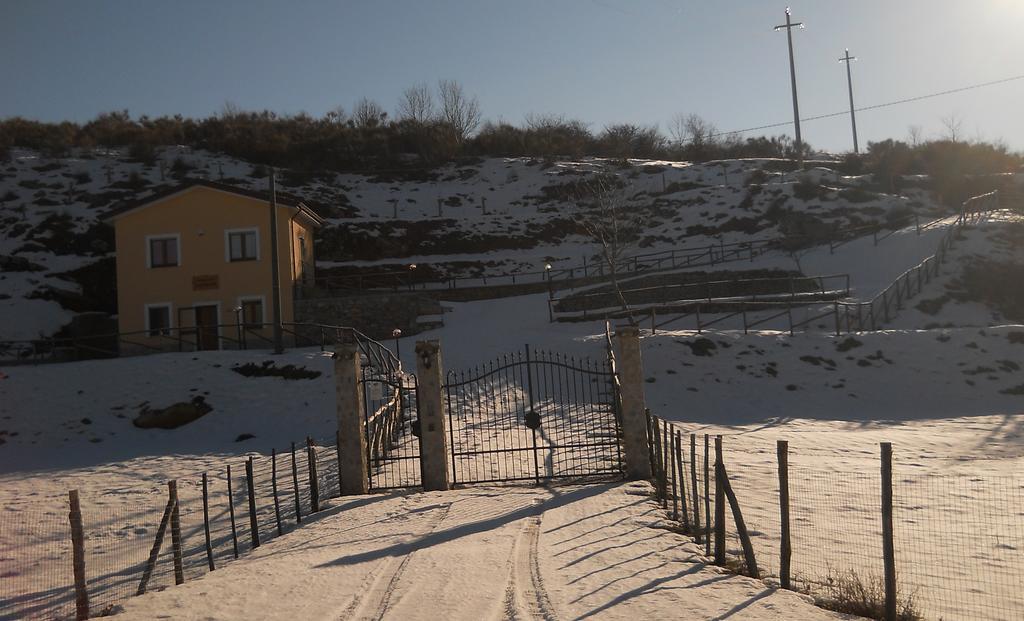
(207, 331)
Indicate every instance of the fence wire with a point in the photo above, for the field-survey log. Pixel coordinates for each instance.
(957, 536)
(36, 557)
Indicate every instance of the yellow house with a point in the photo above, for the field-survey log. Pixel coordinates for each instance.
(194, 265)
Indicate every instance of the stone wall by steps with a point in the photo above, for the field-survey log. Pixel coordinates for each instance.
(375, 315)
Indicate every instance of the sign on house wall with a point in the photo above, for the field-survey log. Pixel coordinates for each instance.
(205, 282)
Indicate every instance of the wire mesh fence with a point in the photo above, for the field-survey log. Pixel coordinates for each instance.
(956, 537)
(220, 516)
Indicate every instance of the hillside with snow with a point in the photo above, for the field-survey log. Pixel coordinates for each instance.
(480, 218)
(942, 379)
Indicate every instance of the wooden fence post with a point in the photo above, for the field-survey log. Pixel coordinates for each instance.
(179, 572)
(741, 526)
(663, 440)
(707, 498)
(650, 441)
(888, 545)
(694, 489)
(254, 526)
(681, 465)
(785, 547)
(273, 484)
(675, 486)
(78, 556)
(154, 552)
(719, 505)
(231, 512)
(295, 487)
(206, 524)
(314, 480)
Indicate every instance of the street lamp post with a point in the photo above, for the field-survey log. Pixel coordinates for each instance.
(789, 26)
(397, 334)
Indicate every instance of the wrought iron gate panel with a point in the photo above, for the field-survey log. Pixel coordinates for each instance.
(532, 416)
(391, 402)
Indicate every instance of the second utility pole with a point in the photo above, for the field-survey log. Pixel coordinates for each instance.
(789, 26)
(849, 81)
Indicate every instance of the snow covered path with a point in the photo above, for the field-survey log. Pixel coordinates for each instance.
(567, 552)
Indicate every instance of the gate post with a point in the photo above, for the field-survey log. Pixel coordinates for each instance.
(433, 434)
(351, 414)
(634, 421)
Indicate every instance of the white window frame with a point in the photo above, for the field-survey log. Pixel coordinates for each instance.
(170, 317)
(262, 299)
(227, 243)
(149, 249)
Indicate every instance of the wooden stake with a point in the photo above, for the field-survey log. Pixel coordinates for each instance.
(295, 487)
(273, 479)
(314, 480)
(741, 526)
(231, 510)
(78, 556)
(719, 505)
(206, 524)
(673, 449)
(694, 489)
(254, 526)
(682, 481)
(786, 546)
(179, 572)
(707, 499)
(154, 552)
(888, 546)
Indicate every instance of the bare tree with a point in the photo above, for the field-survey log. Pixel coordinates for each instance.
(416, 104)
(694, 132)
(459, 111)
(336, 116)
(914, 135)
(602, 213)
(367, 113)
(954, 126)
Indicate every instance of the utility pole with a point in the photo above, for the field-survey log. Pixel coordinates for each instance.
(849, 82)
(789, 26)
(275, 275)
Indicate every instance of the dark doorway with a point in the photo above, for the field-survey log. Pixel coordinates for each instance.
(207, 330)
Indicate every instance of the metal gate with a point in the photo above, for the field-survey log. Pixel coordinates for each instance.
(392, 428)
(533, 416)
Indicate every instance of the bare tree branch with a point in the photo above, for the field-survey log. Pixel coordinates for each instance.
(459, 111)
(416, 104)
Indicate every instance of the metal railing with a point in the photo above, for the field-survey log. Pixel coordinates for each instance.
(793, 288)
(191, 339)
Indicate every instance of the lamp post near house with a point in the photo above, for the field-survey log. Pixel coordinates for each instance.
(397, 334)
(238, 324)
(551, 289)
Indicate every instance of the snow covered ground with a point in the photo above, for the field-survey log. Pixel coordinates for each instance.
(601, 551)
(943, 383)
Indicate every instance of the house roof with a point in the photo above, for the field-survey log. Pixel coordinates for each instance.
(142, 203)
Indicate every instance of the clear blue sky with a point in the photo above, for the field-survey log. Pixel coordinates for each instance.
(601, 61)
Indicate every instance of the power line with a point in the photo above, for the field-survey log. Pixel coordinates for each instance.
(876, 106)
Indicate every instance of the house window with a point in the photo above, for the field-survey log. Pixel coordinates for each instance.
(243, 245)
(163, 251)
(158, 319)
(252, 313)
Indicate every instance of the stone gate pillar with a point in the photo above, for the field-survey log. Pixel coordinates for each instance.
(434, 455)
(351, 420)
(634, 418)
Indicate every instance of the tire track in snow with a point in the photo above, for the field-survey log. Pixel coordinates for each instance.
(525, 596)
(376, 598)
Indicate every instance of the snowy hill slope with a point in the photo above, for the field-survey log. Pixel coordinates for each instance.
(495, 216)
